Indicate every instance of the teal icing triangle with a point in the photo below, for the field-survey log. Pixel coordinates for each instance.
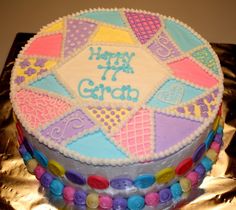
(51, 84)
(173, 92)
(184, 38)
(96, 145)
(111, 17)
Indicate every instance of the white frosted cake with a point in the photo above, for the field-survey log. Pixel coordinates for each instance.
(118, 109)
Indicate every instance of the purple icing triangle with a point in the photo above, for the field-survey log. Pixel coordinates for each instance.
(77, 34)
(170, 130)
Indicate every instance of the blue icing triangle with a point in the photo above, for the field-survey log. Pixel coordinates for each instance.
(50, 83)
(112, 17)
(184, 38)
(96, 145)
(173, 92)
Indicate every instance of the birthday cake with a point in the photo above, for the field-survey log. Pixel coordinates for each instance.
(118, 108)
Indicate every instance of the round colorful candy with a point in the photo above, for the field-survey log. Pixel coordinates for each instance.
(75, 177)
(121, 183)
(207, 163)
(136, 202)
(41, 158)
(105, 202)
(80, 197)
(119, 203)
(209, 138)
(39, 171)
(22, 149)
(46, 180)
(216, 123)
(56, 168)
(165, 195)
(212, 155)
(31, 165)
(28, 146)
(20, 133)
(199, 152)
(185, 184)
(165, 175)
(97, 182)
(68, 193)
(193, 177)
(56, 187)
(144, 181)
(176, 190)
(152, 199)
(200, 170)
(184, 166)
(215, 146)
(92, 200)
(26, 157)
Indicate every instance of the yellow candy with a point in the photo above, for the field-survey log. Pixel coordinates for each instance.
(185, 184)
(165, 175)
(92, 200)
(31, 165)
(216, 123)
(212, 155)
(56, 168)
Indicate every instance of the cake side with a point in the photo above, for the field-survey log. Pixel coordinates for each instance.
(126, 88)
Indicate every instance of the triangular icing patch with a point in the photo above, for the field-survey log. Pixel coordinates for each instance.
(171, 130)
(109, 118)
(111, 17)
(136, 135)
(48, 45)
(38, 108)
(78, 33)
(143, 25)
(173, 92)
(51, 84)
(189, 70)
(30, 68)
(53, 27)
(201, 107)
(205, 57)
(183, 37)
(96, 145)
(108, 34)
(72, 124)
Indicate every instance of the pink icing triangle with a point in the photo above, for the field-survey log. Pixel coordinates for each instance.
(49, 45)
(136, 135)
(188, 70)
(38, 109)
(170, 130)
(77, 34)
(143, 25)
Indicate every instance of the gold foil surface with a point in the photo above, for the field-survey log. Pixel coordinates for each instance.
(21, 191)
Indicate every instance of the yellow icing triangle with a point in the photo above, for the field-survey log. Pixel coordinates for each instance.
(109, 118)
(54, 27)
(112, 35)
(32, 70)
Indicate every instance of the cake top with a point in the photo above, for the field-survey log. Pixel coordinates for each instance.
(116, 86)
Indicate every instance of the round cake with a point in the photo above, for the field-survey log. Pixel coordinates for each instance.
(118, 108)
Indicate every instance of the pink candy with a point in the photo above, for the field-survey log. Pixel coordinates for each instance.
(193, 177)
(39, 171)
(105, 202)
(68, 193)
(215, 146)
(152, 199)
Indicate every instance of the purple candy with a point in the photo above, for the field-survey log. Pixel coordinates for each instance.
(218, 138)
(80, 197)
(46, 179)
(119, 203)
(22, 149)
(75, 177)
(200, 170)
(121, 183)
(28, 146)
(199, 152)
(165, 195)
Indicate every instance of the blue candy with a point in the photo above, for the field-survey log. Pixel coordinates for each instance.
(136, 202)
(176, 190)
(207, 163)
